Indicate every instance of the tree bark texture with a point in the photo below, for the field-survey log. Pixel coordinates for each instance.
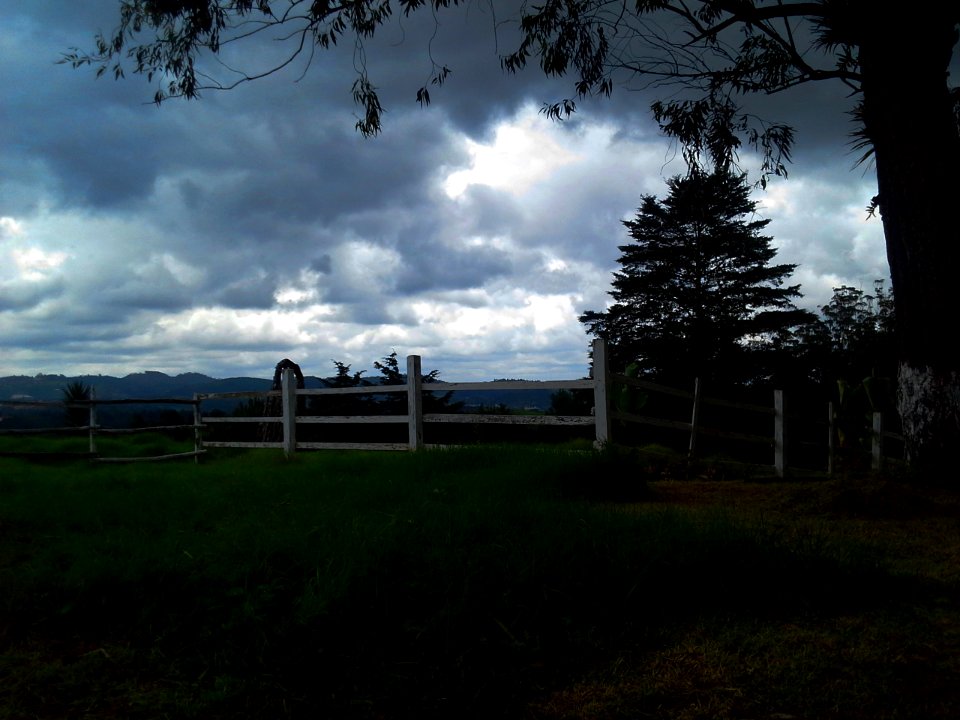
(908, 117)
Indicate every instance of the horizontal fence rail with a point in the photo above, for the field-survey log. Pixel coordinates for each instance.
(93, 429)
(414, 418)
(606, 416)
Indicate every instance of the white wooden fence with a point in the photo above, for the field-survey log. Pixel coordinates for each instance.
(414, 419)
(605, 418)
(93, 429)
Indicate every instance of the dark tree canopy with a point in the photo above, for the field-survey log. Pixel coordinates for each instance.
(76, 392)
(696, 290)
(707, 56)
(857, 331)
(848, 356)
(374, 404)
(851, 340)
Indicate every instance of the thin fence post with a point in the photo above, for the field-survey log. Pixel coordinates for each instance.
(779, 444)
(694, 419)
(876, 460)
(92, 421)
(414, 402)
(197, 437)
(601, 393)
(831, 438)
(288, 398)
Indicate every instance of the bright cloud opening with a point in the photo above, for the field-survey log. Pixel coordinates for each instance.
(524, 151)
(10, 227)
(34, 264)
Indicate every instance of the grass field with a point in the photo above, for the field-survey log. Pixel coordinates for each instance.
(139, 444)
(490, 582)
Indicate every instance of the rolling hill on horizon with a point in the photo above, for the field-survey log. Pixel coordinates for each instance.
(154, 384)
(148, 384)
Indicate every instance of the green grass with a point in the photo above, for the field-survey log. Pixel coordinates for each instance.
(508, 582)
(140, 444)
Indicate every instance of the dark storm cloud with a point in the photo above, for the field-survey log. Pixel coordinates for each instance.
(485, 211)
(25, 295)
(369, 314)
(401, 58)
(96, 143)
(435, 266)
(322, 264)
(478, 91)
(102, 145)
(148, 295)
(60, 327)
(269, 179)
(103, 159)
(248, 292)
(271, 152)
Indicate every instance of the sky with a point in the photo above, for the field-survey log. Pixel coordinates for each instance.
(224, 234)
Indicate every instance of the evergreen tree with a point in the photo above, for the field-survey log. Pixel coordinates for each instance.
(696, 295)
(344, 404)
(394, 403)
(375, 403)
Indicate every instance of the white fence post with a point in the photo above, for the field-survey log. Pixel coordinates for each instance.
(288, 398)
(197, 419)
(779, 449)
(414, 402)
(92, 420)
(831, 434)
(876, 447)
(601, 392)
(694, 419)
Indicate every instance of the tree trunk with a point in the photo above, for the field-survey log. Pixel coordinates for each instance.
(929, 402)
(908, 117)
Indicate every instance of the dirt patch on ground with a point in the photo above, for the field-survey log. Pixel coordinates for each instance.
(915, 528)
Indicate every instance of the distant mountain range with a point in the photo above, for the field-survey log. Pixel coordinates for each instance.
(138, 385)
(160, 385)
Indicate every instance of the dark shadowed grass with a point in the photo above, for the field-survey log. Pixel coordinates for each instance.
(137, 444)
(491, 582)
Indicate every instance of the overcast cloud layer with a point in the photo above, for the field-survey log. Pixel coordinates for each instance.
(222, 235)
